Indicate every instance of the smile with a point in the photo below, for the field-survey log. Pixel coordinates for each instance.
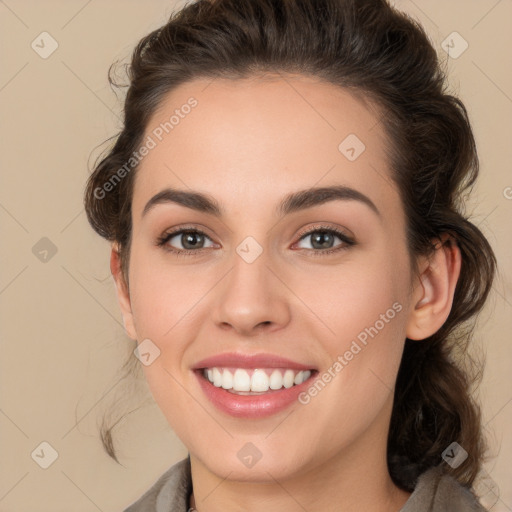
(236, 396)
(246, 381)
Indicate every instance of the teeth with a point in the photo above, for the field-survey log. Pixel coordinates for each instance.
(217, 378)
(261, 380)
(276, 380)
(241, 380)
(227, 379)
(298, 378)
(288, 378)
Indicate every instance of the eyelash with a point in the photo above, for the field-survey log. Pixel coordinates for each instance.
(347, 242)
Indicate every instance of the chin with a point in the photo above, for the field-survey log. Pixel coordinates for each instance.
(244, 467)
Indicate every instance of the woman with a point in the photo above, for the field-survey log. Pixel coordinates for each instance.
(291, 257)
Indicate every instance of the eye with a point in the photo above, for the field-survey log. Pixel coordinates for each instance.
(323, 239)
(187, 240)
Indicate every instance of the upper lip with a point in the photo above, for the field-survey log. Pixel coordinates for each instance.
(238, 360)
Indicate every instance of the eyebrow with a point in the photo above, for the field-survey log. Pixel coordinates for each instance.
(293, 202)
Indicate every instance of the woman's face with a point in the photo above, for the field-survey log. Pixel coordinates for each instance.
(259, 277)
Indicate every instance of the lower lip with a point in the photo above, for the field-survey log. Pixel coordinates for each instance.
(252, 406)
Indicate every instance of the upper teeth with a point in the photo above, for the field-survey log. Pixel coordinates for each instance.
(261, 380)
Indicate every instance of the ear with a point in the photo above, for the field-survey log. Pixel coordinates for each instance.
(433, 293)
(123, 294)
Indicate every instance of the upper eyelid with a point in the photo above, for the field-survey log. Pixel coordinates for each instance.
(336, 230)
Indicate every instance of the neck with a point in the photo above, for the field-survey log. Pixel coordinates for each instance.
(353, 479)
(348, 492)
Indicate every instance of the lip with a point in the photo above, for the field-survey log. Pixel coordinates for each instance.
(252, 406)
(238, 360)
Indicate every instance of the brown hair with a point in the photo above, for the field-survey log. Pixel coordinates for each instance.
(382, 54)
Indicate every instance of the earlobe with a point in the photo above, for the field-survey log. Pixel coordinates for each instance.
(433, 294)
(123, 294)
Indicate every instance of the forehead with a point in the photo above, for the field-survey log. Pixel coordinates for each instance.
(262, 135)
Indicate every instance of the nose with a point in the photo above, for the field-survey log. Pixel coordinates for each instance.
(251, 299)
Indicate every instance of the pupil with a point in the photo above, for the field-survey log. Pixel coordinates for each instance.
(324, 239)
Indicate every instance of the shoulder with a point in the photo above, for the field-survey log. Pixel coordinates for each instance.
(170, 492)
(437, 491)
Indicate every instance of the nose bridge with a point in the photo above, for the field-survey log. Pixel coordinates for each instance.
(251, 296)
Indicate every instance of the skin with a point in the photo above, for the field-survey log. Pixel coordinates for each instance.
(247, 144)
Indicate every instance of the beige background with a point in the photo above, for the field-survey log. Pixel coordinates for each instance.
(61, 330)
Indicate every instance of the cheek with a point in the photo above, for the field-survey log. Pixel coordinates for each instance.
(163, 295)
(362, 318)
(362, 356)
(351, 297)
